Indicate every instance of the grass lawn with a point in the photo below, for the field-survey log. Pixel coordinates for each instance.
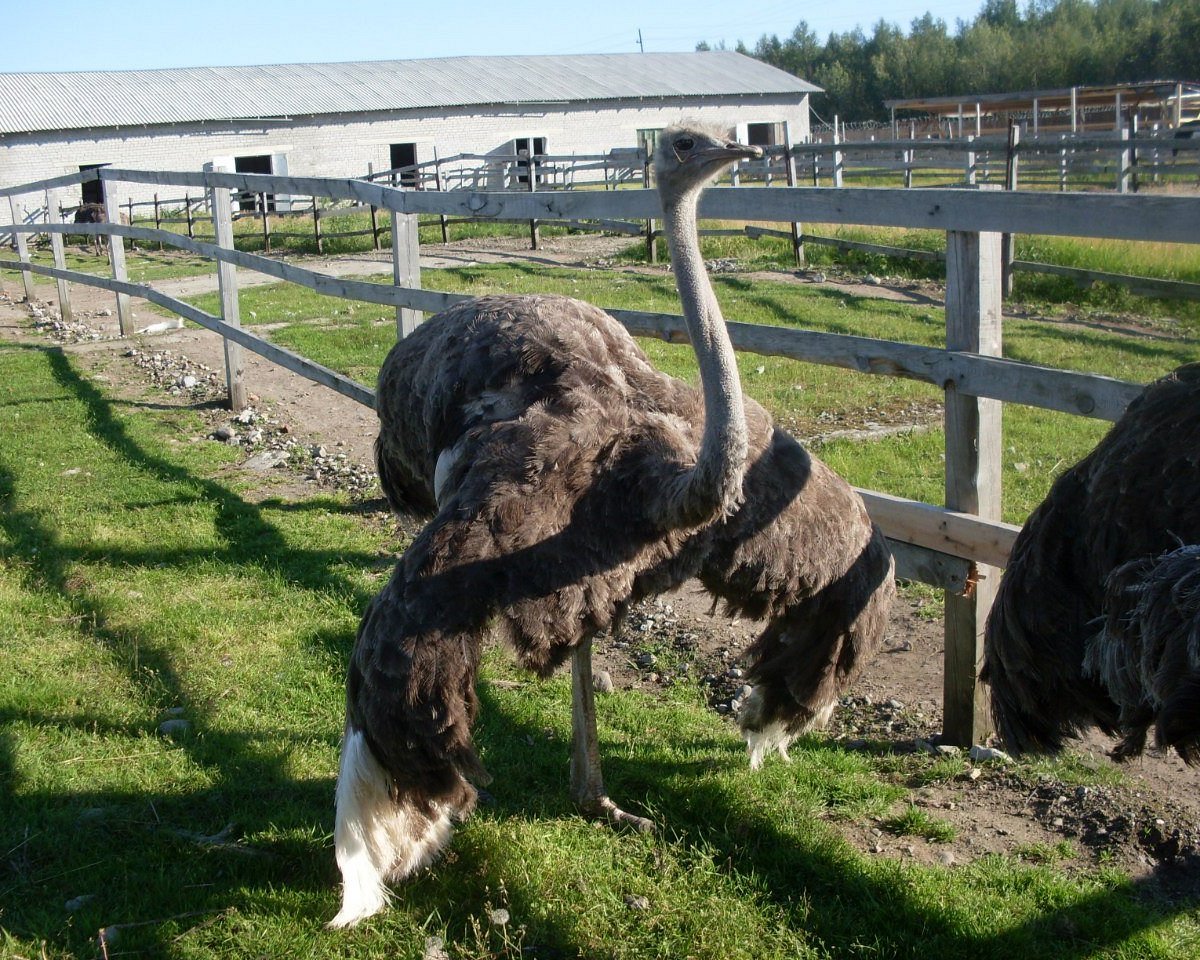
(141, 583)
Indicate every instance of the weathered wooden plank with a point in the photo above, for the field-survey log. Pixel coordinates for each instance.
(950, 532)
(406, 268)
(1139, 217)
(51, 183)
(235, 367)
(923, 565)
(22, 250)
(1146, 286)
(116, 259)
(60, 261)
(276, 354)
(973, 445)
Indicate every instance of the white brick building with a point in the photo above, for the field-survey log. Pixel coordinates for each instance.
(340, 119)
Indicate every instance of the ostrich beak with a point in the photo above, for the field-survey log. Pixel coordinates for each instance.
(727, 152)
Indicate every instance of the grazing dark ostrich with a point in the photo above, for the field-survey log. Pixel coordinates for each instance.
(1084, 631)
(92, 213)
(570, 479)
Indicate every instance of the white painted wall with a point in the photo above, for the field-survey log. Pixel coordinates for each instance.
(343, 146)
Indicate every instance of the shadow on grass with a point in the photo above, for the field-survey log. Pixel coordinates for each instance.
(158, 849)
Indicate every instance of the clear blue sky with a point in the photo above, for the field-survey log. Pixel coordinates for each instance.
(133, 34)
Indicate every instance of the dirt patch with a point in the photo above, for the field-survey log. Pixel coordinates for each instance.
(299, 439)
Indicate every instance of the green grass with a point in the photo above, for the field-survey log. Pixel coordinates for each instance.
(140, 581)
(912, 821)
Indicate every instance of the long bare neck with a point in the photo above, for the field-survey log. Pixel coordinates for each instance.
(713, 486)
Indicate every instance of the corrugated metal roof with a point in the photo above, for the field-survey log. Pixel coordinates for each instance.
(122, 98)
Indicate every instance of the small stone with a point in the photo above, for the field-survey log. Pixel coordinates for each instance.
(948, 750)
(1057, 822)
(435, 949)
(224, 433)
(174, 711)
(636, 902)
(78, 903)
(980, 754)
(188, 382)
(946, 858)
(174, 728)
(974, 773)
(602, 682)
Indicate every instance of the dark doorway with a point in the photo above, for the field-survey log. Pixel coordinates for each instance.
(261, 164)
(404, 159)
(93, 190)
(527, 147)
(762, 134)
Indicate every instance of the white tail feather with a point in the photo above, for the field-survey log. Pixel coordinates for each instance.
(376, 838)
(762, 739)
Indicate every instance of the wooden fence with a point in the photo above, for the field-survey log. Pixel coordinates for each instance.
(959, 547)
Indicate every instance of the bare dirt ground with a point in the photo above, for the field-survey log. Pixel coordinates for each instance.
(301, 438)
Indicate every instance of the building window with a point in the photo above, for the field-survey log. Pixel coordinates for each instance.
(524, 148)
(647, 140)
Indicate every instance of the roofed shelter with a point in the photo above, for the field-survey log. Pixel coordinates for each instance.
(338, 119)
(1070, 109)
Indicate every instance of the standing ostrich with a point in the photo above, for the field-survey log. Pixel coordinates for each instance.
(92, 213)
(570, 479)
(1095, 622)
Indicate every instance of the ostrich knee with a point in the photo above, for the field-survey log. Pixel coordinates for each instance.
(377, 838)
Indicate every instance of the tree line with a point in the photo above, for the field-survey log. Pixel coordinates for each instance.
(1045, 45)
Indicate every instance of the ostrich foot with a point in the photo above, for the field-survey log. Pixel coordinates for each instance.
(603, 808)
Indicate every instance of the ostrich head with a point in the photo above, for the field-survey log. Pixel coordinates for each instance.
(690, 155)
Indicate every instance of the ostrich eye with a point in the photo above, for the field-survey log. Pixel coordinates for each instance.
(685, 143)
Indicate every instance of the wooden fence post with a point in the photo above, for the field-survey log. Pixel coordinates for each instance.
(157, 221)
(60, 261)
(970, 172)
(1008, 243)
(973, 445)
(22, 249)
(222, 213)
(651, 246)
(374, 211)
(116, 256)
(406, 267)
(837, 154)
(317, 227)
(437, 185)
(1124, 163)
(789, 161)
(266, 223)
(187, 212)
(533, 224)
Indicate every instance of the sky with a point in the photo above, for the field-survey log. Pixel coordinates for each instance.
(70, 35)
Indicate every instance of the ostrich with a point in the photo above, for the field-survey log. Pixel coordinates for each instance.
(569, 479)
(1086, 629)
(92, 213)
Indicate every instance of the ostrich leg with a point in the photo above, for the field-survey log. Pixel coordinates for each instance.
(587, 783)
